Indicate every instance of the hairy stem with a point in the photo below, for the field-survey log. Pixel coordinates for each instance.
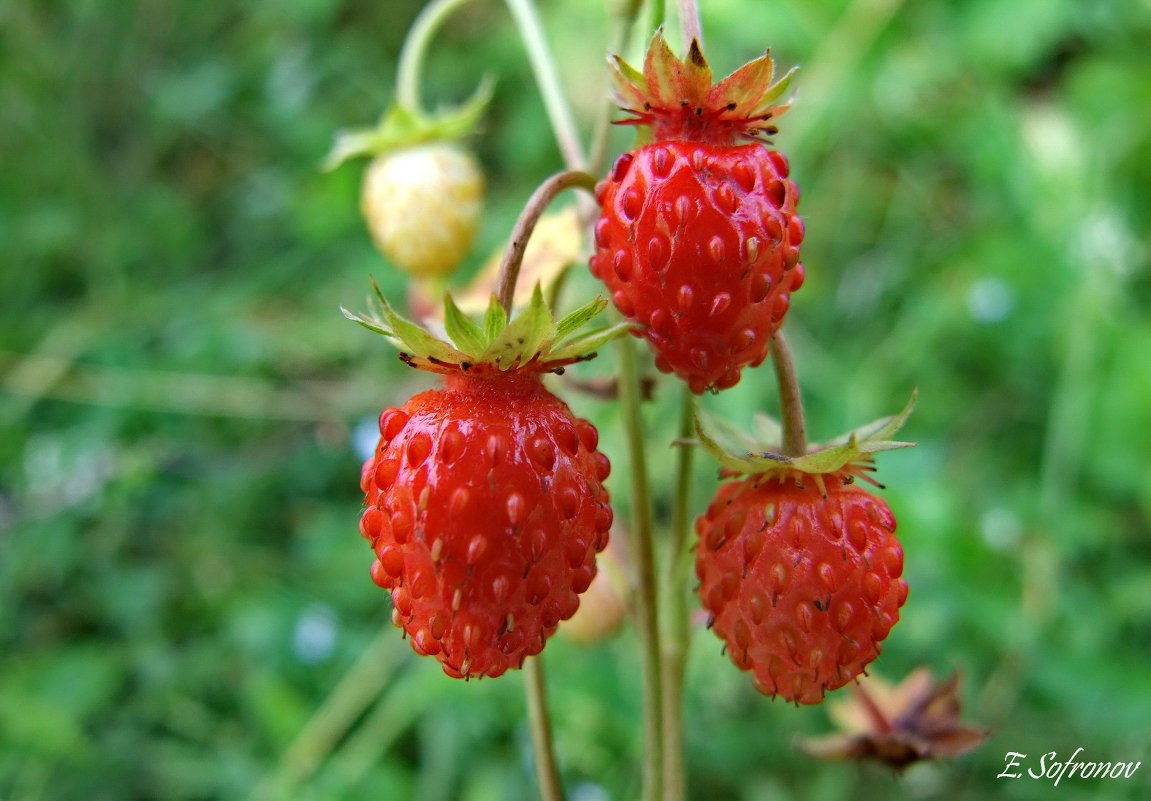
(689, 22)
(647, 591)
(621, 34)
(676, 623)
(415, 46)
(527, 20)
(790, 397)
(525, 225)
(547, 774)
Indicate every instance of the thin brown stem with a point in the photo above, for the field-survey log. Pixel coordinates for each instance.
(547, 774)
(790, 397)
(525, 225)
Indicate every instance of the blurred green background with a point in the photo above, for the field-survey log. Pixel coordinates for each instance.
(185, 608)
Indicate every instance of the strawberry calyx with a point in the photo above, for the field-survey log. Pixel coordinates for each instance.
(531, 341)
(402, 126)
(847, 457)
(677, 98)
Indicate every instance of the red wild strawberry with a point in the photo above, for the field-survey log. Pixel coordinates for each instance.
(799, 568)
(485, 503)
(802, 585)
(698, 239)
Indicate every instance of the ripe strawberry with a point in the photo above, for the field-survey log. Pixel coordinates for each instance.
(422, 206)
(799, 568)
(802, 586)
(484, 500)
(698, 239)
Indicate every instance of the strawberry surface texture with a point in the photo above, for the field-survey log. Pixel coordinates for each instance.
(485, 507)
(801, 587)
(699, 244)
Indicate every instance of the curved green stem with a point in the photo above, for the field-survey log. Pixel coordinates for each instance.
(547, 774)
(677, 631)
(415, 46)
(547, 78)
(537, 203)
(647, 590)
(790, 397)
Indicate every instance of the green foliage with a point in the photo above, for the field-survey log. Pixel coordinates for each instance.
(185, 608)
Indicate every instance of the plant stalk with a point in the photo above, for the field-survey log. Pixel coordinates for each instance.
(790, 397)
(559, 112)
(677, 631)
(547, 774)
(415, 46)
(689, 22)
(646, 591)
(621, 35)
(526, 224)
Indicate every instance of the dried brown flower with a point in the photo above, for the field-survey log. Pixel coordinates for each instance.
(917, 719)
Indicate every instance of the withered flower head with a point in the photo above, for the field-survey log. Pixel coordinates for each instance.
(897, 725)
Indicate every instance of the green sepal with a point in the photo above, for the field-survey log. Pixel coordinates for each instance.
(527, 335)
(578, 318)
(465, 334)
(530, 340)
(401, 127)
(495, 320)
(403, 333)
(743, 453)
(588, 341)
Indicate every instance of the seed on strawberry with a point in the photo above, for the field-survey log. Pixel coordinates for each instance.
(698, 239)
(801, 585)
(422, 206)
(484, 500)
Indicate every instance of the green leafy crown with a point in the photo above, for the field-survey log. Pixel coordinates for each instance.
(531, 341)
(758, 454)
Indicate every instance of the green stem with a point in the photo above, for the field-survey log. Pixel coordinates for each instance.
(646, 591)
(525, 225)
(415, 46)
(621, 35)
(790, 397)
(547, 78)
(677, 630)
(547, 774)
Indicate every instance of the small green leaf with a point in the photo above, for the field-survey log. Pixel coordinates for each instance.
(466, 335)
(414, 337)
(575, 320)
(495, 320)
(588, 341)
(369, 323)
(529, 332)
(774, 93)
(882, 429)
(458, 122)
(717, 440)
